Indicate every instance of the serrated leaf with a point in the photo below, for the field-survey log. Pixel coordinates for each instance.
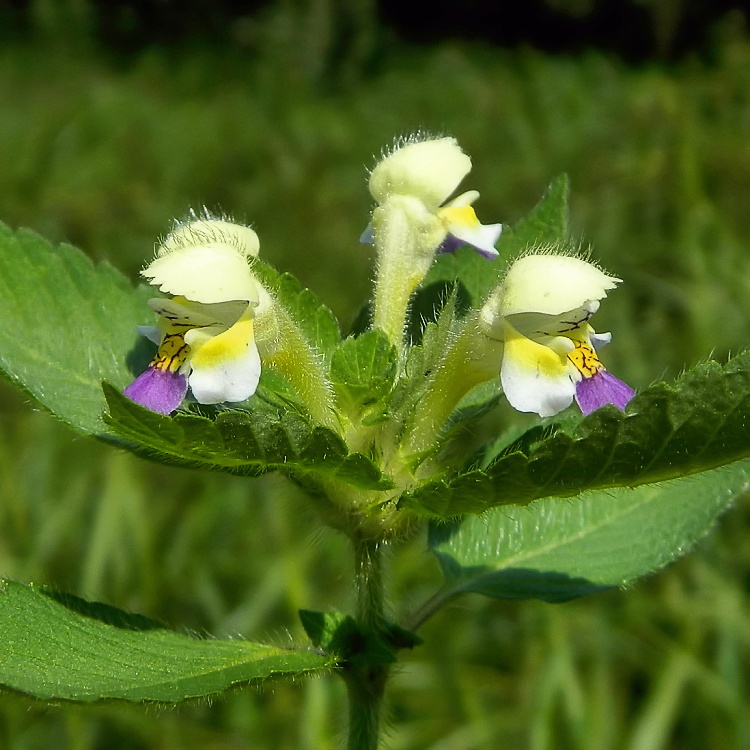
(316, 320)
(363, 369)
(66, 325)
(243, 442)
(556, 550)
(57, 647)
(701, 422)
(546, 224)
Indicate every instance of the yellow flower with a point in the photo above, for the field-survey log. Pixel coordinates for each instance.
(412, 222)
(205, 334)
(420, 176)
(541, 312)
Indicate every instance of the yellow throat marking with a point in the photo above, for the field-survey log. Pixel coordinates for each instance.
(584, 359)
(172, 353)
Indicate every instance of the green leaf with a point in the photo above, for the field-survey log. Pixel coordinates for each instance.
(247, 442)
(701, 422)
(363, 369)
(315, 320)
(557, 551)
(66, 325)
(477, 402)
(545, 225)
(59, 647)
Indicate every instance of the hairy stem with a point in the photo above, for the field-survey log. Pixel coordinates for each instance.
(365, 682)
(368, 576)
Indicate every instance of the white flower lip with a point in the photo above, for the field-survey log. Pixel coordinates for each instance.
(462, 225)
(534, 376)
(430, 170)
(225, 363)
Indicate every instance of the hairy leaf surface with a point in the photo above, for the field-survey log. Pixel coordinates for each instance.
(556, 550)
(248, 442)
(67, 324)
(363, 368)
(60, 647)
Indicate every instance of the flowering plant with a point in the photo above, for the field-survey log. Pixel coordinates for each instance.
(247, 372)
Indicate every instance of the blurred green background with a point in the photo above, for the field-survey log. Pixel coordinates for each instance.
(112, 125)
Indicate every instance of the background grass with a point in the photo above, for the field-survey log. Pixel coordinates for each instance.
(104, 154)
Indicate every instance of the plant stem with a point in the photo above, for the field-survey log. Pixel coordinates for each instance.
(368, 578)
(365, 688)
(430, 607)
(365, 682)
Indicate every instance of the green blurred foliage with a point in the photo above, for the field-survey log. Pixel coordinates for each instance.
(104, 156)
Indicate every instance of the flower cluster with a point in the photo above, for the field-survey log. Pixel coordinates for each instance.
(205, 332)
(537, 318)
(539, 313)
